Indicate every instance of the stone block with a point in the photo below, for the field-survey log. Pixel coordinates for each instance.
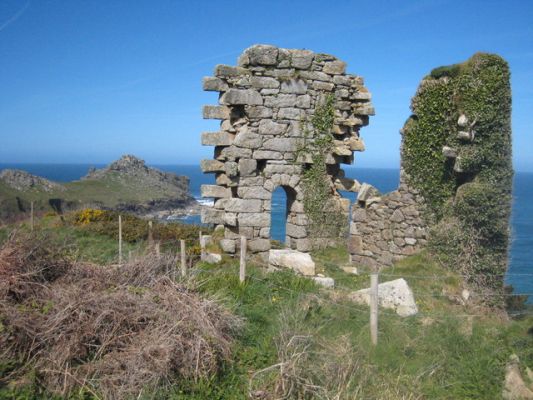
(267, 155)
(324, 281)
(315, 76)
(280, 144)
(248, 139)
(254, 192)
(359, 215)
(260, 54)
(242, 97)
(231, 168)
(396, 295)
(247, 166)
(301, 59)
(213, 258)
(294, 86)
(269, 127)
(212, 216)
(397, 216)
(227, 245)
(211, 166)
(230, 219)
(290, 113)
(216, 112)
(233, 152)
(303, 101)
(226, 71)
(258, 245)
(217, 138)
(243, 205)
(255, 219)
(336, 67)
(258, 112)
(296, 231)
(214, 84)
(264, 82)
(293, 259)
(326, 86)
(355, 244)
(215, 191)
(303, 244)
(281, 100)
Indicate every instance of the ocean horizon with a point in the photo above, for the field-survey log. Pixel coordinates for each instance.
(520, 271)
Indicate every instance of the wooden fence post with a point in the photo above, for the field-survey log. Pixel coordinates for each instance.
(150, 236)
(183, 259)
(202, 247)
(374, 299)
(120, 240)
(242, 269)
(31, 216)
(158, 249)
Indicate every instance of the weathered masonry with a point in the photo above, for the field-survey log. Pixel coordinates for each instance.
(264, 105)
(455, 181)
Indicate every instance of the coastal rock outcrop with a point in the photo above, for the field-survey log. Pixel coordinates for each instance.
(23, 181)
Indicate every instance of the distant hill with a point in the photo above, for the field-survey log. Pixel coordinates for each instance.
(126, 184)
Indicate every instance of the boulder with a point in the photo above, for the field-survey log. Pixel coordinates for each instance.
(293, 259)
(396, 295)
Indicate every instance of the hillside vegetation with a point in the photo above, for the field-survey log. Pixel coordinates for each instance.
(127, 185)
(288, 337)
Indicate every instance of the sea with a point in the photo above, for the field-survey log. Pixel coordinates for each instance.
(519, 274)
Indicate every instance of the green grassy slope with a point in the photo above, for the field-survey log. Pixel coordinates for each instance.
(321, 340)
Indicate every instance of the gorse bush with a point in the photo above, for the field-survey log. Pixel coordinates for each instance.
(134, 229)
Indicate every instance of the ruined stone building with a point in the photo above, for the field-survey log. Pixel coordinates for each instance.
(455, 174)
(264, 104)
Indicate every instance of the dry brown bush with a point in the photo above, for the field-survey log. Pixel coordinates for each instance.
(116, 332)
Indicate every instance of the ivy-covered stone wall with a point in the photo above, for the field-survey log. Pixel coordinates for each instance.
(456, 156)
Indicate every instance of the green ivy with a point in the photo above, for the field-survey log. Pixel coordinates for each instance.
(326, 220)
(470, 210)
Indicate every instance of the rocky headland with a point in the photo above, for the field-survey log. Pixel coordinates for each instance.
(127, 184)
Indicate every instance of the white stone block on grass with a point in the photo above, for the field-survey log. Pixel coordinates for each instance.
(396, 295)
(293, 259)
(324, 281)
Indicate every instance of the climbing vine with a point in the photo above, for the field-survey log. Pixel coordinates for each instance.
(326, 218)
(468, 195)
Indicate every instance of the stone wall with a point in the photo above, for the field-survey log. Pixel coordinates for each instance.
(264, 104)
(386, 228)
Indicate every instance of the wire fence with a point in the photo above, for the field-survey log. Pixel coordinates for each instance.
(188, 251)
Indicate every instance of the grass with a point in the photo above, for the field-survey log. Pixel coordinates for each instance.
(441, 353)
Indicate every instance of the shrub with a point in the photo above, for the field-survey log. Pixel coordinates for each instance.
(110, 332)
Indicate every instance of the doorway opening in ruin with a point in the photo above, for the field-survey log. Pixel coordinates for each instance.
(281, 203)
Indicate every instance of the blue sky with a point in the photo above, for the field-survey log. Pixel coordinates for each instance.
(87, 81)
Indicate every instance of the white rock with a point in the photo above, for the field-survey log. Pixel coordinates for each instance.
(396, 295)
(462, 121)
(324, 281)
(465, 295)
(350, 270)
(293, 259)
(213, 258)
